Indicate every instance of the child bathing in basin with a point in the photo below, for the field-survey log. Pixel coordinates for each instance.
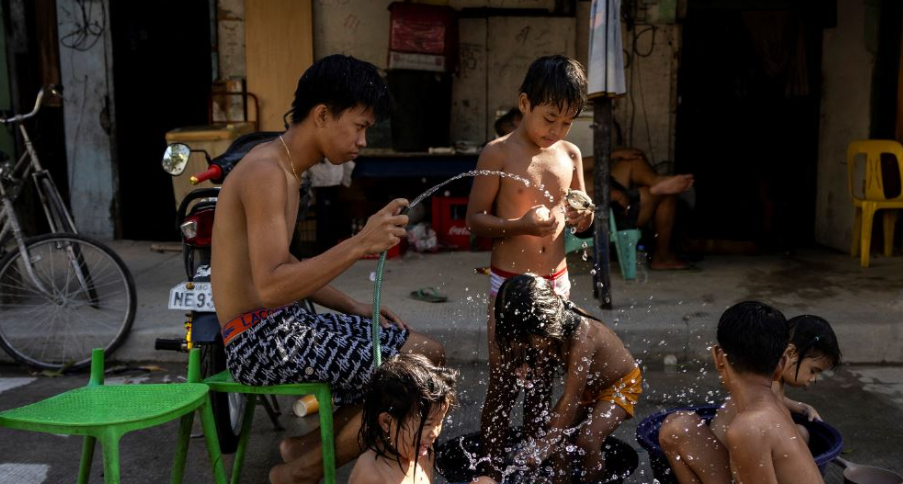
(527, 223)
(539, 332)
(406, 402)
(698, 453)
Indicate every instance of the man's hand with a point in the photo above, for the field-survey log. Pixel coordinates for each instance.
(580, 219)
(384, 229)
(386, 316)
(809, 412)
(539, 221)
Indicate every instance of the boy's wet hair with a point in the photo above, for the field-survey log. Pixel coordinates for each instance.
(341, 82)
(813, 338)
(406, 387)
(753, 336)
(556, 80)
(527, 305)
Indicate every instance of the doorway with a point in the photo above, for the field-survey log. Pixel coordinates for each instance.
(162, 73)
(748, 121)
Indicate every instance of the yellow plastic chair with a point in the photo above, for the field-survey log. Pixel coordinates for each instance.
(872, 197)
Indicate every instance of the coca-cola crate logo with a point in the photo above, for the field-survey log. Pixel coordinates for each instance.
(456, 230)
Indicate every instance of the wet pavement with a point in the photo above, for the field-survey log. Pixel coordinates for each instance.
(862, 402)
(672, 313)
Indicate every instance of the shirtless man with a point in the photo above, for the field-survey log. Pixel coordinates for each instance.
(527, 223)
(270, 339)
(763, 442)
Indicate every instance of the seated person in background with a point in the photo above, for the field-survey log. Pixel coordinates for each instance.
(509, 122)
(640, 195)
(684, 436)
(761, 444)
(539, 333)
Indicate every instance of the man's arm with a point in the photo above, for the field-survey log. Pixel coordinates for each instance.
(280, 278)
(480, 218)
(750, 451)
(332, 298)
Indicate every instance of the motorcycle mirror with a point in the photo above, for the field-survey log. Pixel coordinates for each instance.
(175, 158)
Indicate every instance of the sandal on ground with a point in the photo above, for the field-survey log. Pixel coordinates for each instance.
(429, 294)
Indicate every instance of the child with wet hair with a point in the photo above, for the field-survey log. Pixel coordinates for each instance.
(698, 452)
(538, 333)
(406, 402)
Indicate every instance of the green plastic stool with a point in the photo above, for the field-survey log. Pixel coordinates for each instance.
(106, 413)
(625, 245)
(223, 382)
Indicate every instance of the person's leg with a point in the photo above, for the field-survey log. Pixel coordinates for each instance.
(660, 209)
(636, 171)
(292, 448)
(500, 395)
(561, 461)
(426, 346)
(308, 468)
(693, 451)
(604, 419)
(537, 403)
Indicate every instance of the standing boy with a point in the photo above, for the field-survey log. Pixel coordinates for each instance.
(527, 223)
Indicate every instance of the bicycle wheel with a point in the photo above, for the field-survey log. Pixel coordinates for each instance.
(228, 408)
(59, 216)
(73, 294)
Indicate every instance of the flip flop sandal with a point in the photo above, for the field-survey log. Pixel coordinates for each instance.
(429, 294)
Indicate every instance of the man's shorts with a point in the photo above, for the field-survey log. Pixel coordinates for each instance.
(560, 281)
(292, 345)
(626, 218)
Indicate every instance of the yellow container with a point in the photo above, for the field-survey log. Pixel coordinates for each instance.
(306, 405)
(213, 139)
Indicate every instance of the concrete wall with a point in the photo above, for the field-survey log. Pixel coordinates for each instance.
(88, 117)
(845, 116)
(230, 32)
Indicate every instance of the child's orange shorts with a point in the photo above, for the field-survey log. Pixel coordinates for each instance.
(625, 393)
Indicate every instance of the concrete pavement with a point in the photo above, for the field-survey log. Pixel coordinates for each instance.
(672, 313)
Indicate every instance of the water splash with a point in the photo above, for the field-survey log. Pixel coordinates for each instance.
(475, 173)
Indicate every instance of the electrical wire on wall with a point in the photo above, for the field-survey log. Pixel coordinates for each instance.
(634, 21)
(87, 30)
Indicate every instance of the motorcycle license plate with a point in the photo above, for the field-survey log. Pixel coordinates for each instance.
(199, 298)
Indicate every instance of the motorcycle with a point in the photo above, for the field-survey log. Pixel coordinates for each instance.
(202, 328)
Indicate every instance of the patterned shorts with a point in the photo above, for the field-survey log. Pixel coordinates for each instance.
(292, 345)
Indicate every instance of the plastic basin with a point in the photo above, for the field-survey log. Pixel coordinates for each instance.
(825, 441)
(454, 464)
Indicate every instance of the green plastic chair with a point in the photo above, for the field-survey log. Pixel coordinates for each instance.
(223, 382)
(625, 245)
(106, 413)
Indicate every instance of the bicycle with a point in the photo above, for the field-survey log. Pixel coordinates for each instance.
(61, 294)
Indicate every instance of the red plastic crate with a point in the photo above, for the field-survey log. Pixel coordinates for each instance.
(450, 224)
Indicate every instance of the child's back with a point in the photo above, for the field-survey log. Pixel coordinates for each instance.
(762, 440)
(765, 446)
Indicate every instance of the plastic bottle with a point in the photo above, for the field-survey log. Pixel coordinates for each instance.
(641, 274)
(306, 405)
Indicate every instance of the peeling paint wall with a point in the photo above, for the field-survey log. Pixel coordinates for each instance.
(847, 85)
(85, 69)
(230, 31)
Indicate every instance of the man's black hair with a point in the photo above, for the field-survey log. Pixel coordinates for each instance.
(556, 80)
(753, 336)
(341, 82)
